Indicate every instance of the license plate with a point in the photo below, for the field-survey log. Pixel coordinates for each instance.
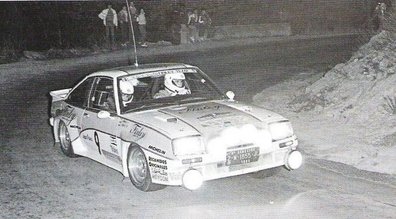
(242, 156)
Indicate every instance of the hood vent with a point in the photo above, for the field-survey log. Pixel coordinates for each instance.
(172, 120)
(165, 118)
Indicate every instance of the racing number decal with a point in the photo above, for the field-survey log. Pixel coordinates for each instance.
(96, 137)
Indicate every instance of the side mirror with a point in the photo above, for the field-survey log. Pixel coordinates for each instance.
(103, 115)
(230, 95)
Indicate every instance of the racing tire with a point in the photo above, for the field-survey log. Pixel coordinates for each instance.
(65, 140)
(266, 173)
(139, 172)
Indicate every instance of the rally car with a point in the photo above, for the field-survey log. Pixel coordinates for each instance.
(169, 124)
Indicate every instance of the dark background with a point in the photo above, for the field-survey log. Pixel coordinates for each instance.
(73, 24)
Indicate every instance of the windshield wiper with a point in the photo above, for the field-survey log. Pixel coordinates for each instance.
(191, 99)
(146, 106)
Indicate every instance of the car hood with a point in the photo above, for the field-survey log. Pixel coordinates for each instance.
(205, 118)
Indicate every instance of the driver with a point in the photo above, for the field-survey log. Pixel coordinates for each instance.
(175, 84)
(127, 91)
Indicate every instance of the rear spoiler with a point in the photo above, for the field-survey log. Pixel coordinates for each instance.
(59, 94)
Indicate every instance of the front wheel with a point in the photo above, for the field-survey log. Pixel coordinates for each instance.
(65, 141)
(139, 172)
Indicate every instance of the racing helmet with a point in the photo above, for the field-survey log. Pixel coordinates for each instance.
(127, 91)
(175, 83)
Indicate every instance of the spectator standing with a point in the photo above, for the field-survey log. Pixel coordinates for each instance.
(133, 11)
(184, 30)
(141, 19)
(192, 26)
(204, 22)
(109, 17)
(123, 20)
(380, 10)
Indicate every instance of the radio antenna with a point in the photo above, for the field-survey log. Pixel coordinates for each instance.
(133, 34)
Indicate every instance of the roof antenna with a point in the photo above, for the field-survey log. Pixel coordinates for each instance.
(133, 33)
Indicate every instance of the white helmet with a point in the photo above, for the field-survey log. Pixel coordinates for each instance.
(127, 91)
(172, 86)
(126, 87)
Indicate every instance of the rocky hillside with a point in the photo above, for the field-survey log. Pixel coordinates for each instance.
(347, 114)
(361, 91)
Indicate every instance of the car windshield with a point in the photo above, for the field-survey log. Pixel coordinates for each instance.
(164, 88)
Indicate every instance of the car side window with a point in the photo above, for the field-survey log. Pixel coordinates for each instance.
(79, 96)
(103, 95)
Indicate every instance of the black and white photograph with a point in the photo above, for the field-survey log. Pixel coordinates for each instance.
(198, 109)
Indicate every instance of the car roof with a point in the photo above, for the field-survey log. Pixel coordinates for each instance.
(142, 68)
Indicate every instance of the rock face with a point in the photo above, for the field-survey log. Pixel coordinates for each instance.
(362, 89)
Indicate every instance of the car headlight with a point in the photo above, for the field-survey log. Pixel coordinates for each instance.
(263, 138)
(280, 130)
(191, 145)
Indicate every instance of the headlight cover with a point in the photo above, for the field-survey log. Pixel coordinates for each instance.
(280, 130)
(192, 145)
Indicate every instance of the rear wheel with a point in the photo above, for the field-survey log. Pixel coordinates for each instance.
(139, 172)
(266, 173)
(65, 140)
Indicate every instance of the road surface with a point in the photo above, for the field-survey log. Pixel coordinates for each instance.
(37, 181)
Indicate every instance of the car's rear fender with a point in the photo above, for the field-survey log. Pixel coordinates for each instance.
(55, 128)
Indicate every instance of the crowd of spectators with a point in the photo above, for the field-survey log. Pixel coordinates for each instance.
(188, 26)
(199, 24)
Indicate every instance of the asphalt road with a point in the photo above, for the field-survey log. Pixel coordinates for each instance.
(37, 181)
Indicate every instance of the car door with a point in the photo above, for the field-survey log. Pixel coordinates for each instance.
(76, 103)
(100, 124)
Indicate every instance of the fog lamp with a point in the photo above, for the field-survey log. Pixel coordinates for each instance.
(294, 160)
(192, 179)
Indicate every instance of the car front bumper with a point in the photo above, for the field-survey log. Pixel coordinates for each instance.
(214, 169)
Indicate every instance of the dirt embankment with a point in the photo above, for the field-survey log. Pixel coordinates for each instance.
(361, 90)
(349, 113)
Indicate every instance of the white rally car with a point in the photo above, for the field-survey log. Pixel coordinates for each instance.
(159, 132)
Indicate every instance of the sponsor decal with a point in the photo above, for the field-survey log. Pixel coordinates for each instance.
(113, 148)
(162, 73)
(175, 176)
(113, 144)
(212, 116)
(201, 108)
(157, 163)
(157, 160)
(159, 171)
(113, 138)
(123, 123)
(158, 168)
(156, 149)
(87, 137)
(137, 132)
(164, 167)
(225, 122)
(96, 137)
(159, 177)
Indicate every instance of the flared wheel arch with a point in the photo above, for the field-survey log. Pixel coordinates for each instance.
(152, 186)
